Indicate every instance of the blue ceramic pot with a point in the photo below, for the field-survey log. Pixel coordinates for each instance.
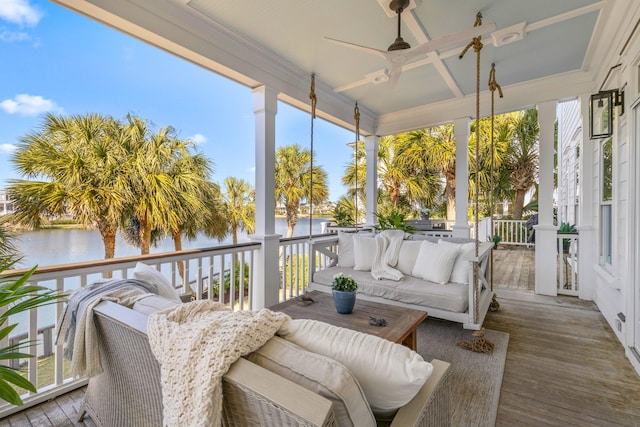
(344, 301)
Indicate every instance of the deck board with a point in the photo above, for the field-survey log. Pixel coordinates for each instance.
(564, 365)
(514, 269)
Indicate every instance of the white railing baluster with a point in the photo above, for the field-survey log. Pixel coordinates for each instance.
(221, 291)
(32, 363)
(58, 351)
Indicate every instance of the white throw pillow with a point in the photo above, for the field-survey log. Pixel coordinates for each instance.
(319, 374)
(435, 262)
(345, 249)
(407, 256)
(151, 275)
(390, 374)
(462, 266)
(364, 251)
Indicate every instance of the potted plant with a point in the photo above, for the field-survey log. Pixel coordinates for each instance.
(344, 293)
(424, 213)
(496, 239)
(565, 227)
(396, 220)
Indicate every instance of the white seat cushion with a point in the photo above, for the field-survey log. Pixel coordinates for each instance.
(434, 262)
(390, 374)
(319, 374)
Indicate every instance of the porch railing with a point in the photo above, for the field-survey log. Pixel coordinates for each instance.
(223, 273)
(512, 232)
(567, 249)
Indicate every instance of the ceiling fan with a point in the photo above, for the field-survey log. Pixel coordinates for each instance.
(400, 52)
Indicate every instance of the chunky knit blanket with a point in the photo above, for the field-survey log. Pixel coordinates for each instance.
(196, 344)
(388, 245)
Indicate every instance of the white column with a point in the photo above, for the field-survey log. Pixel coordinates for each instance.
(546, 231)
(371, 147)
(266, 277)
(461, 133)
(587, 253)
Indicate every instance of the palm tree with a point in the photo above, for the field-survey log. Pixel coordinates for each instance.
(522, 157)
(238, 205)
(293, 181)
(168, 183)
(78, 162)
(497, 185)
(407, 179)
(356, 184)
(436, 148)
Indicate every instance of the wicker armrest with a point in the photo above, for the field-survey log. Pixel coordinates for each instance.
(430, 407)
(255, 396)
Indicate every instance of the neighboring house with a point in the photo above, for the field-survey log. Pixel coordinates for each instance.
(568, 151)
(7, 204)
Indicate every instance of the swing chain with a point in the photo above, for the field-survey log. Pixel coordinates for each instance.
(312, 96)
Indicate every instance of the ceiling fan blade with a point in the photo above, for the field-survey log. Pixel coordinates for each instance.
(394, 74)
(361, 48)
(451, 39)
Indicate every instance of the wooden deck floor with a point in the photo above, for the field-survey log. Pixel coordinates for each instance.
(514, 269)
(564, 365)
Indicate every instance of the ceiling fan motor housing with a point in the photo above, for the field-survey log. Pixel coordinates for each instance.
(398, 6)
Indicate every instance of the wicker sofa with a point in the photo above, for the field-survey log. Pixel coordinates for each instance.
(128, 391)
(460, 302)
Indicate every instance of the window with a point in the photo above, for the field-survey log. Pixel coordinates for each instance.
(606, 202)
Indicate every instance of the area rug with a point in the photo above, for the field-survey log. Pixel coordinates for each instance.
(475, 377)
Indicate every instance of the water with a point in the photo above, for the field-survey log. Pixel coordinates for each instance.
(51, 247)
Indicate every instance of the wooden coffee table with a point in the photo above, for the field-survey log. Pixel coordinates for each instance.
(401, 322)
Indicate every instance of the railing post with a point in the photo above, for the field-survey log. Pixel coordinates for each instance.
(266, 284)
(461, 132)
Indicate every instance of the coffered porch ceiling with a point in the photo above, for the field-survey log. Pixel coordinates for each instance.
(543, 50)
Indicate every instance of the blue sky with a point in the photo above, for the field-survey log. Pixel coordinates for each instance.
(55, 60)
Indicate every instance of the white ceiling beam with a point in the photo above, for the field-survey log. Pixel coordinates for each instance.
(533, 92)
(418, 32)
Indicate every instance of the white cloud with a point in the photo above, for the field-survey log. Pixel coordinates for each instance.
(29, 105)
(198, 138)
(8, 148)
(13, 36)
(19, 12)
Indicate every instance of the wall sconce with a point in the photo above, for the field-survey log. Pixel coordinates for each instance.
(601, 112)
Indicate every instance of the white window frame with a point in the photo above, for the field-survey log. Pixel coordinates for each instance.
(606, 210)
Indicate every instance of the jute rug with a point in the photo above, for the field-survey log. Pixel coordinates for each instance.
(475, 377)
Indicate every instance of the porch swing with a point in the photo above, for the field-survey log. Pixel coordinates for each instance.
(464, 300)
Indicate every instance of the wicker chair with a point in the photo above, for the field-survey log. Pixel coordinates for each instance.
(128, 393)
